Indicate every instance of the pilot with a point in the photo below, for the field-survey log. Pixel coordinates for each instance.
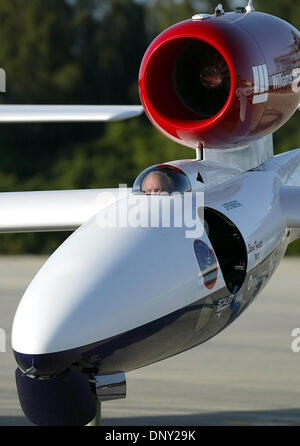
(157, 183)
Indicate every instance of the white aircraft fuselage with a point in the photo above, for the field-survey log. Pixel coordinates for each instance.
(115, 299)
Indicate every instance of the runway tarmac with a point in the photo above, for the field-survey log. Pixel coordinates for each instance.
(247, 375)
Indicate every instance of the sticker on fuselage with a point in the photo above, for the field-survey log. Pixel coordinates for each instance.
(224, 304)
(207, 262)
(230, 205)
(282, 80)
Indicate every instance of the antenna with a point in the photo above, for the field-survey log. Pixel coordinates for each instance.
(250, 7)
(219, 9)
(199, 151)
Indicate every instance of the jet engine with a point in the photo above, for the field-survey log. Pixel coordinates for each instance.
(221, 80)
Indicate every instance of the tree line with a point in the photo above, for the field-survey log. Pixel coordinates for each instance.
(89, 52)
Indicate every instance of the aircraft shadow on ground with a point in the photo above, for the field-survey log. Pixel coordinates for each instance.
(270, 417)
(246, 418)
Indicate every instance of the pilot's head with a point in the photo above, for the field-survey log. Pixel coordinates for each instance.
(157, 183)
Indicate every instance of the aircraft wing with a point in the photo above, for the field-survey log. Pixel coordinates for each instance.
(53, 210)
(58, 210)
(290, 203)
(67, 113)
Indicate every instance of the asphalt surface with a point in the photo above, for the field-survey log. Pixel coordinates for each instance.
(247, 375)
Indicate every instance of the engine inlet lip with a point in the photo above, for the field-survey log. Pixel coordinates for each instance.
(156, 115)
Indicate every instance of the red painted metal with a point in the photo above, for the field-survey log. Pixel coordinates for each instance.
(262, 53)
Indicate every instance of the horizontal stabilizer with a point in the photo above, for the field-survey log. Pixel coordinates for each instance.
(53, 210)
(67, 113)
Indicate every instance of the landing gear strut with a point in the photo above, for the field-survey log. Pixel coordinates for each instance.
(107, 388)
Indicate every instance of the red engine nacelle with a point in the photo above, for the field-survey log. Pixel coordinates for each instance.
(222, 80)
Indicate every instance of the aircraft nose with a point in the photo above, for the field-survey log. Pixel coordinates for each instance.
(100, 283)
(45, 364)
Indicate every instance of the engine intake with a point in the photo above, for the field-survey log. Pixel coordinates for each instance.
(193, 75)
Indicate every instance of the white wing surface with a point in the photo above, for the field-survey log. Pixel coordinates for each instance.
(53, 210)
(67, 113)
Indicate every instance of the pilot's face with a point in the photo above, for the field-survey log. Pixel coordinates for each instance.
(155, 183)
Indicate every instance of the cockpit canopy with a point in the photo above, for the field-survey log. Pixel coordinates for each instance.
(162, 179)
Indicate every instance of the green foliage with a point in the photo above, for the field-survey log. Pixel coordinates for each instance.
(125, 149)
(288, 10)
(89, 52)
(164, 13)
